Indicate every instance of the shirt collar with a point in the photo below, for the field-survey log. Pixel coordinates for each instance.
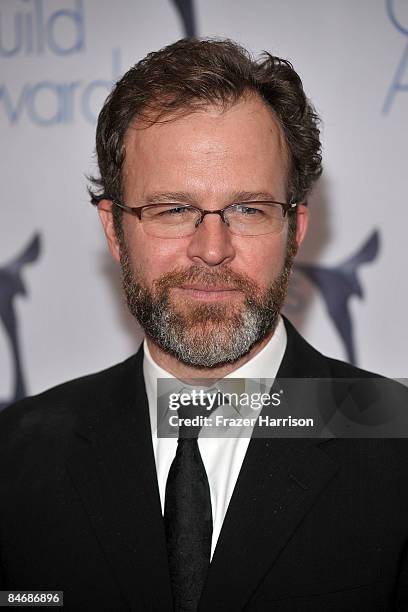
(264, 365)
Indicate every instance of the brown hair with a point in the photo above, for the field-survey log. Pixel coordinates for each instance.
(190, 74)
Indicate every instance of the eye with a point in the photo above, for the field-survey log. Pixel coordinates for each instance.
(248, 210)
(172, 211)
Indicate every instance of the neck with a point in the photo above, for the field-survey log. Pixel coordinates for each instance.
(180, 370)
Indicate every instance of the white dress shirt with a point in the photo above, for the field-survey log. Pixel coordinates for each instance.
(222, 457)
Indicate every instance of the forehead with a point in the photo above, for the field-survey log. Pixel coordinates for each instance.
(209, 151)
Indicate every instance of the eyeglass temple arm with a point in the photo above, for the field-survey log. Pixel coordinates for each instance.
(133, 210)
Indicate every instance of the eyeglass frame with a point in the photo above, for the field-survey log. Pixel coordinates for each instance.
(136, 211)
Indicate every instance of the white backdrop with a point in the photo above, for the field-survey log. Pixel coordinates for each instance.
(58, 59)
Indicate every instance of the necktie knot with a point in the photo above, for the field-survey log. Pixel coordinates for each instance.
(190, 421)
(192, 416)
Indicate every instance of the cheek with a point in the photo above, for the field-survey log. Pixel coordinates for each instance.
(152, 257)
(262, 257)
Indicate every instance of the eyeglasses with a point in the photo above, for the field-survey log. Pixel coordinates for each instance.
(172, 220)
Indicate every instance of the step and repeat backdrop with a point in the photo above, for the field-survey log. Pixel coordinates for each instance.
(60, 307)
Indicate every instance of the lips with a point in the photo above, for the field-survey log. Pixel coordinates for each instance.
(208, 288)
(207, 292)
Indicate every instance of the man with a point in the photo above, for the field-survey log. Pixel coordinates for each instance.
(206, 159)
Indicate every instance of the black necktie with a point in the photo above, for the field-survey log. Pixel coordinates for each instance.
(188, 520)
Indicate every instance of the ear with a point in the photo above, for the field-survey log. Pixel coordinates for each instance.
(301, 224)
(106, 217)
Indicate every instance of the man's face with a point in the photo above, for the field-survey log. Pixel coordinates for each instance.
(206, 298)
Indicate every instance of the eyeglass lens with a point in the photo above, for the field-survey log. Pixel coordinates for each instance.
(247, 219)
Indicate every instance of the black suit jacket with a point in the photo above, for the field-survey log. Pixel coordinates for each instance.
(313, 525)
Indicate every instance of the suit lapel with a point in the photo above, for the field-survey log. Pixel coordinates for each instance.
(113, 469)
(279, 482)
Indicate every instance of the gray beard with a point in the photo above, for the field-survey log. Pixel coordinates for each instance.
(208, 335)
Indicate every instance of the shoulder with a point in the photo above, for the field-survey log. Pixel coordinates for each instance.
(371, 386)
(342, 369)
(366, 400)
(307, 361)
(56, 411)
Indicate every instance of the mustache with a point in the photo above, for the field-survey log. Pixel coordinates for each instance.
(196, 274)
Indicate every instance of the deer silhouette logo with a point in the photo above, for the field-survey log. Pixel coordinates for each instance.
(186, 12)
(338, 284)
(11, 285)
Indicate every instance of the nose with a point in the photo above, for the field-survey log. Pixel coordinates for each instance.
(212, 243)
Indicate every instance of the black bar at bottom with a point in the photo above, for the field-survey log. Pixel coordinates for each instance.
(31, 598)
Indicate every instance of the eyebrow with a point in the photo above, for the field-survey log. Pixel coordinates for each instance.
(242, 196)
(189, 198)
(170, 196)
